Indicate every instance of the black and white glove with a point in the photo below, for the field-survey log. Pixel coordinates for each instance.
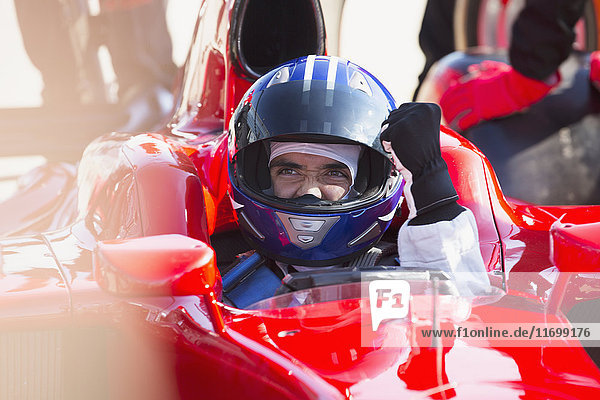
(411, 134)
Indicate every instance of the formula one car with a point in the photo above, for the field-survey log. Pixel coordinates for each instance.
(116, 290)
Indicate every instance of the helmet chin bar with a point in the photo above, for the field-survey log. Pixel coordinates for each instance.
(304, 231)
(308, 232)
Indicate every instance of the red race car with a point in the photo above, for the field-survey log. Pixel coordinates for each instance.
(113, 289)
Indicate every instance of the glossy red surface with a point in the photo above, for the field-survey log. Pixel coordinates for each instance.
(156, 266)
(469, 172)
(328, 338)
(210, 160)
(575, 247)
(140, 185)
(191, 346)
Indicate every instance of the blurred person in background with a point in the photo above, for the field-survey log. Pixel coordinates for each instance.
(65, 51)
(542, 38)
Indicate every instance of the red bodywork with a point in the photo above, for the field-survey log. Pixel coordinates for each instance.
(158, 330)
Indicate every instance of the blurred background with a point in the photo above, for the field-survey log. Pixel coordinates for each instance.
(39, 124)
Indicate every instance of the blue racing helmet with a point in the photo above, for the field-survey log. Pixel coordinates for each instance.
(322, 100)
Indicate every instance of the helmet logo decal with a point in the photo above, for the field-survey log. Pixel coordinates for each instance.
(282, 76)
(359, 82)
(306, 232)
(389, 216)
(235, 204)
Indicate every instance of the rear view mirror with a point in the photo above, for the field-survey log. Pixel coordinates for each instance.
(162, 265)
(575, 247)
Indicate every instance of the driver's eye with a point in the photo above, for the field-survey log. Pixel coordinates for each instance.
(286, 171)
(337, 174)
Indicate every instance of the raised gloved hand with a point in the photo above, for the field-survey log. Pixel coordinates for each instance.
(595, 69)
(492, 89)
(412, 134)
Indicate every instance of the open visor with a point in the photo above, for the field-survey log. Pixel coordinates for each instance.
(313, 108)
(374, 179)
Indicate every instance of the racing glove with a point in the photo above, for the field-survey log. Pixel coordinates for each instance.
(490, 90)
(595, 69)
(439, 234)
(411, 134)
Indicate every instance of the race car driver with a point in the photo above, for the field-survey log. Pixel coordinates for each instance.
(315, 147)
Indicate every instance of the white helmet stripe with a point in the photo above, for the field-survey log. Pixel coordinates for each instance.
(331, 73)
(308, 72)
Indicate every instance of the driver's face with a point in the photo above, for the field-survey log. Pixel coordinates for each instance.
(296, 174)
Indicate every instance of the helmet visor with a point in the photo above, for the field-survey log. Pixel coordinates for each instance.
(345, 114)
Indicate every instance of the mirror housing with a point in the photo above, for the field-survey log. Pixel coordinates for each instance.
(575, 247)
(162, 265)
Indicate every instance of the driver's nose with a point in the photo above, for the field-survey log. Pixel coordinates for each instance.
(310, 188)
